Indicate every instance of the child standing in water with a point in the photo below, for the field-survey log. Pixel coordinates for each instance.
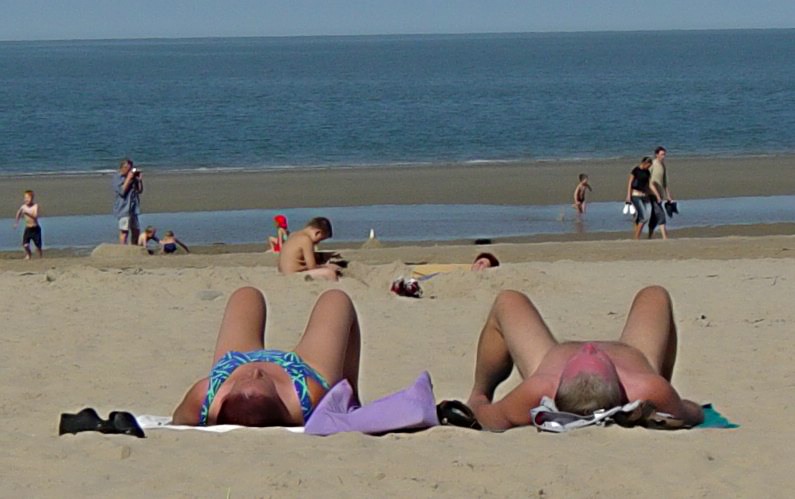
(579, 193)
(275, 243)
(30, 211)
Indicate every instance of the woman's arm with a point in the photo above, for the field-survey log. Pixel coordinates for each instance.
(187, 412)
(629, 187)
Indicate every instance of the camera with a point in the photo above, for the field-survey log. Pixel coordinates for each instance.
(136, 171)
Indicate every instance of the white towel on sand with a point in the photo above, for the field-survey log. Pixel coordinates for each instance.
(147, 422)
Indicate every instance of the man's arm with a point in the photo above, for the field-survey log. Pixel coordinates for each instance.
(19, 215)
(655, 191)
(121, 190)
(187, 412)
(665, 399)
(514, 409)
(32, 212)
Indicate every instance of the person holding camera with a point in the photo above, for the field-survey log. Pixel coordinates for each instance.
(127, 188)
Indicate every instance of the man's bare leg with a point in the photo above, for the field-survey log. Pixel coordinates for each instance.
(243, 326)
(514, 333)
(650, 328)
(663, 231)
(331, 341)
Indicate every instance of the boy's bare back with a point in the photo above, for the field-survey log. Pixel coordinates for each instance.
(298, 254)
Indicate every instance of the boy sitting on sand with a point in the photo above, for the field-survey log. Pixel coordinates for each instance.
(582, 377)
(298, 252)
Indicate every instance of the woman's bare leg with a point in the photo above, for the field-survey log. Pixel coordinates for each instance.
(650, 328)
(514, 333)
(331, 342)
(243, 326)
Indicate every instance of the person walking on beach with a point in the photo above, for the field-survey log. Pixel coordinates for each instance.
(298, 252)
(659, 180)
(251, 386)
(127, 188)
(640, 192)
(30, 211)
(579, 193)
(581, 376)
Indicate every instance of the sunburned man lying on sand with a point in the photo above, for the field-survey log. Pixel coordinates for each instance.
(251, 386)
(581, 376)
(298, 252)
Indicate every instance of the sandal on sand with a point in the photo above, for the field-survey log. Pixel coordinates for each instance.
(455, 413)
(118, 422)
(646, 416)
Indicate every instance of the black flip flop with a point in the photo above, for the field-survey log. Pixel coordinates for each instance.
(118, 422)
(456, 413)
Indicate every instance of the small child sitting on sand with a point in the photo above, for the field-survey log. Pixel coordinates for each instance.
(275, 243)
(298, 252)
(148, 239)
(170, 242)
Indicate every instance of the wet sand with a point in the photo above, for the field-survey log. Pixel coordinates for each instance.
(537, 183)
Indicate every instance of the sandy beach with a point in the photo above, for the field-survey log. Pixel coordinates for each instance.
(132, 334)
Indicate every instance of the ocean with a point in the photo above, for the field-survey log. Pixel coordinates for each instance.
(73, 107)
(254, 103)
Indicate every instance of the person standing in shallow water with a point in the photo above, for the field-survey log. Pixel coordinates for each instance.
(659, 180)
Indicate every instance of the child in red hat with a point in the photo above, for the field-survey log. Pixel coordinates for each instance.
(275, 243)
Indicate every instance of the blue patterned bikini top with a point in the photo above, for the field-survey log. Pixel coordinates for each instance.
(296, 368)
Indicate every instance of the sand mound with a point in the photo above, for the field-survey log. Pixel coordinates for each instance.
(115, 251)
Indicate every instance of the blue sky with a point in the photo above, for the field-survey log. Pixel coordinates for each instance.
(78, 19)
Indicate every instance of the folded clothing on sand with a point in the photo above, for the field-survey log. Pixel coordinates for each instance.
(546, 417)
(412, 408)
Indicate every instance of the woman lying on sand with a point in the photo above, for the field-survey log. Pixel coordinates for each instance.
(251, 386)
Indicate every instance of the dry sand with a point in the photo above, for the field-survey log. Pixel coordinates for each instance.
(133, 333)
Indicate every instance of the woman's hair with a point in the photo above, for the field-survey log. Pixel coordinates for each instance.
(586, 393)
(493, 262)
(646, 160)
(250, 409)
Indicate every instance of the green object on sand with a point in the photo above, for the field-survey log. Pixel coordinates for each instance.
(714, 419)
